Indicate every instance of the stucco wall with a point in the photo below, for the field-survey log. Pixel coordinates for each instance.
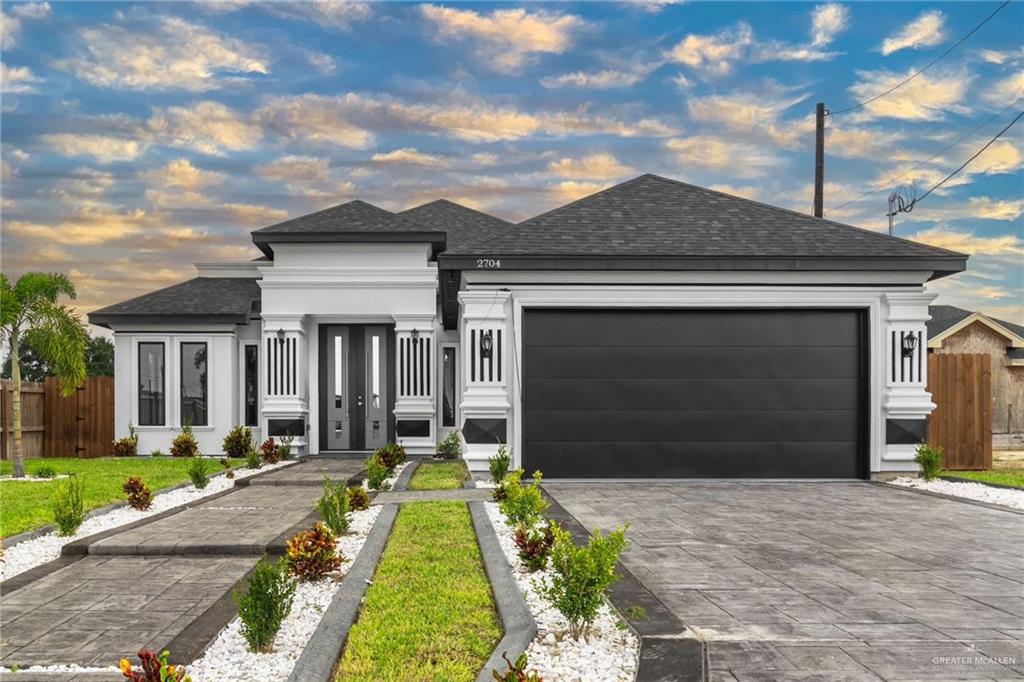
(1007, 382)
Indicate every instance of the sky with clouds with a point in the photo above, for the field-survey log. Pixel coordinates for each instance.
(138, 138)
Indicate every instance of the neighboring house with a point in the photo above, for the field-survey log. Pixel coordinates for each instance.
(954, 330)
(654, 329)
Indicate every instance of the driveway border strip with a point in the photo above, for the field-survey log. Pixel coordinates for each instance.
(954, 498)
(402, 482)
(1000, 486)
(516, 620)
(192, 641)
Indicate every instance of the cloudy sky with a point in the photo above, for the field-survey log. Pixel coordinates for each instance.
(140, 138)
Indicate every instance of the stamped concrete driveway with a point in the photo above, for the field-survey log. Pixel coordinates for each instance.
(824, 581)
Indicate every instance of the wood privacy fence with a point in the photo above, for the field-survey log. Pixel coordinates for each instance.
(80, 425)
(961, 387)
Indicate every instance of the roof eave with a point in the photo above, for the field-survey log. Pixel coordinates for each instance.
(101, 319)
(263, 240)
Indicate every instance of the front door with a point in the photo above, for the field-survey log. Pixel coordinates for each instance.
(354, 387)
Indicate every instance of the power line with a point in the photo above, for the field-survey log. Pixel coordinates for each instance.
(928, 66)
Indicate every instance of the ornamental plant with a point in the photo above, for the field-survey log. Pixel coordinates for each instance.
(313, 554)
(333, 506)
(253, 459)
(229, 473)
(499, 464)
(238, 442)
(138, 493)
(265, 603)
(579, 576)
(450, 447)
(154, 668)
(376, 473)
(391, 455)
(68, 505)
(45, 471)
(516, 671)
(534, 546)
(285, 451)
(197, 472)
(269, 451)
(184, 444)
(929, 458)
(358, 498)
(524, 505)
(129, 445)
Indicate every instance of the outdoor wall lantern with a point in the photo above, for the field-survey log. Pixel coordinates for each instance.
(909, 343)
(280, 336)
(486, 344)
(415, 334)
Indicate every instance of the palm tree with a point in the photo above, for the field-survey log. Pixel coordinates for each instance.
(29, 312)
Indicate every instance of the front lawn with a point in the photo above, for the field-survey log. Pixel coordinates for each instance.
(1014, 477)
(27, 505)
(428, 615)
(439, 476)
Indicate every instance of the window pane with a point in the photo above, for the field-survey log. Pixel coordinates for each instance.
(193, 384)
(151, 384)
(252, 385)
(448, 403)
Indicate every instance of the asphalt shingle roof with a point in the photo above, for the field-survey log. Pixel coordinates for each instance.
(655, 216)
(223, 298)
(946, 316)
(463, 225)
(352, 216)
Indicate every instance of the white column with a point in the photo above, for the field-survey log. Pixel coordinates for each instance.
(284, 355)
(416, 358)
(485, 361)
(907, 402)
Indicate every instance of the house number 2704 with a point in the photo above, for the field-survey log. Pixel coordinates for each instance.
(488, 262)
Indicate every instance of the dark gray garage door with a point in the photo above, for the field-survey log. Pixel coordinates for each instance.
(693, 393)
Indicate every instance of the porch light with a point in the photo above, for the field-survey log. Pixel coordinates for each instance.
(486, 344)
(909, 343)
(280, 336)
(415, 334)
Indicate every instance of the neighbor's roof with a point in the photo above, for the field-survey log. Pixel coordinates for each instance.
(463, 225)
(651, 217)
(945, 317)
(201, 299)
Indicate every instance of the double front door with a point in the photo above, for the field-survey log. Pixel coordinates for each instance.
(354, 387)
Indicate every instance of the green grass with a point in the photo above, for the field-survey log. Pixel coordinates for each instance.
(1014, 477)
(439, 476)
(26, 506)
(428, 614)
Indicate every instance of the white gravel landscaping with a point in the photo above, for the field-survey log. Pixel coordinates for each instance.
(228, 658)
(972, 491)
(608, 653)
(37, 551)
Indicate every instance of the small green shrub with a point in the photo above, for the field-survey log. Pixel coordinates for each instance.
(358, 498)
(524, 505)
(376, 473)
(229, 473)
(69, 505)
(129, 445)
(499, 464)
(534, 546)
(138, 494)
(313, 554)
(580, 576)
(238, 442)
(184, 444)
(157, 453)
(154, 668)
(265, 603)
(333, 506)
(45, 471)
(500, 492)
(450, 447)
(269, 451)
(930, 460)
(253, 459)
(285, 451)
(197, 472)
(516, 671)
(391, 455)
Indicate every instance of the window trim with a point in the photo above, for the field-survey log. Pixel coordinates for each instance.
(440, 387)
(241, 384)
(181, 378)
(138, 385)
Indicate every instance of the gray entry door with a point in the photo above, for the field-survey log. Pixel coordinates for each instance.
(354, 385)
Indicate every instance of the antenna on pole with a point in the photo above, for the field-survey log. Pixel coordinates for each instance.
(901, 200)
(819, 160)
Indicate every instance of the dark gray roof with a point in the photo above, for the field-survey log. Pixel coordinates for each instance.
(202, 299)
(946, 316)
(462, 224)
(652, 216)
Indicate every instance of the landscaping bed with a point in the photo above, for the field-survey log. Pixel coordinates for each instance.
(429, 614)
(439, 476)
(978, 492)
(1013, 477)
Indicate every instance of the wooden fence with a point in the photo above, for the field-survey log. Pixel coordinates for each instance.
(80, 425)
(961, 387)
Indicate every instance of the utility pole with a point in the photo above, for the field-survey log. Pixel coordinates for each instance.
(819, 160)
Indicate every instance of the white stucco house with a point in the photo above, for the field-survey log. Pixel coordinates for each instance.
(654, 329)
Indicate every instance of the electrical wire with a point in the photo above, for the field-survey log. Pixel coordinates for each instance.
(930, 64)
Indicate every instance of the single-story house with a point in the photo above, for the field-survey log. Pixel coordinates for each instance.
(653, 329)
(955, 330)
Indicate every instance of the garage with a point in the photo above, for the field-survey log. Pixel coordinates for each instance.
(681, 393)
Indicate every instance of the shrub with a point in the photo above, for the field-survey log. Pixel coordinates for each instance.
(197, 472)
(534, 545)
(313, 554)
(516, 671)
(450, 447)
(138, 493)
(376, 473)
(580, 575)
(333, 506)
(228, 471)
(238, 442)
(154, 668)
(157, 453)
(127, 446)
(499, 464)
(524, 505)
(285, 451)
(45, 471)
(253, 459)
(391, 455)
(265, 603)
(929, 459)
(184, 444)
(68, 505)
(269, 451)
(358, 498)
(500, 492)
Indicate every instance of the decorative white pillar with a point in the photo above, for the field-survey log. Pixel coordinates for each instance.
(415, 383)
(907, 402)
(485, 352)
(284, 379)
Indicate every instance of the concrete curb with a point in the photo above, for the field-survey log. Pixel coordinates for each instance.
(402, 483)
(1001, 486)
(318, 659)
(954, 498)
(190, 643)
(516, 620)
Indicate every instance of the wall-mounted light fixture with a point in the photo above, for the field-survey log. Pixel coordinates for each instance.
(908, 343)
(280, 336)
(486, 344)
(415, 334)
